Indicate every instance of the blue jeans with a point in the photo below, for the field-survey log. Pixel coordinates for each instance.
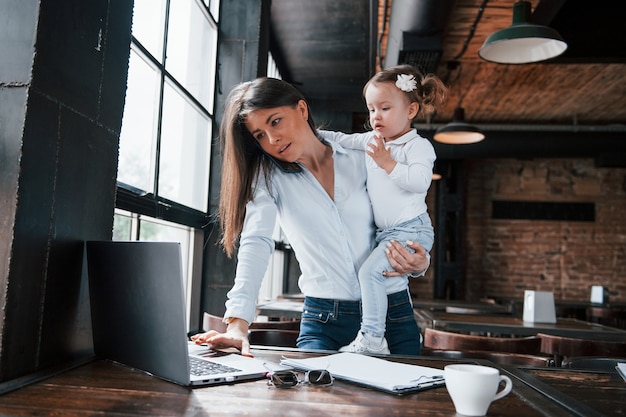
(330, 324)
(375, 286)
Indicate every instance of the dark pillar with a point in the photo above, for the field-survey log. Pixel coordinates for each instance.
(62, 86)
(448, 280)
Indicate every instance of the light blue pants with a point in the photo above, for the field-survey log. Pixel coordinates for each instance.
(375, 286)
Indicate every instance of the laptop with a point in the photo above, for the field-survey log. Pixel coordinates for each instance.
(138, 316)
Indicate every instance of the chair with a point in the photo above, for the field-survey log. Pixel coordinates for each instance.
(501, 358)
(502, 350)
(614, 317)
(273, 337)
(443, 340)
(212, 322)
(561, 347)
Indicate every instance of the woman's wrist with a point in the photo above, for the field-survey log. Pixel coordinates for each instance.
(235, 323)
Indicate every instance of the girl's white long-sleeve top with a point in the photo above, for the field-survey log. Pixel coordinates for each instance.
(400, 195)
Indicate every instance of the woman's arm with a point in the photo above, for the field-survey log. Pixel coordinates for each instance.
(255, 247)
(406, 262)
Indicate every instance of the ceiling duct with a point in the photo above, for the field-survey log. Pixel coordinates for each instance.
(423, 52)
(416, 29)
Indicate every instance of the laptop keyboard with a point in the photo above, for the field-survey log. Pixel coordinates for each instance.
(202, 367)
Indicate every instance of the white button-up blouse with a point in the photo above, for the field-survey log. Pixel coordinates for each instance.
(330, 239)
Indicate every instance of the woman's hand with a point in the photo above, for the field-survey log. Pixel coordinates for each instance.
(236, 336)
(403, 261)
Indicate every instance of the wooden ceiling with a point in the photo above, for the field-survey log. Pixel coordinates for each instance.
(542, 93)
(329, 48)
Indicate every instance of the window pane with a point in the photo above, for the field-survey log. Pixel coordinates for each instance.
(185, 152)
(122, 226)
(272, 68)
(191, 48)
(149, 24)
(215, 9)
(137, 139)
(154, 230)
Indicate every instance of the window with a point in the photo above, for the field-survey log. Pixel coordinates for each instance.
(165, 140)
(166, 128)
(272, 68)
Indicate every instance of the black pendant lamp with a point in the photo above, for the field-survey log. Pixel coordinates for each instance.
(459, 132)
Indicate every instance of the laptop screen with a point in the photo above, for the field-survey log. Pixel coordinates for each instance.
(137, 306)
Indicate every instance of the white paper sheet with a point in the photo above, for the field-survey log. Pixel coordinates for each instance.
(374, 372)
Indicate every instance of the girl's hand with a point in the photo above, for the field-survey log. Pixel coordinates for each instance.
(380, 154)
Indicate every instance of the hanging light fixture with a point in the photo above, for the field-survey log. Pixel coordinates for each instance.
(459, 132)
(522, 42)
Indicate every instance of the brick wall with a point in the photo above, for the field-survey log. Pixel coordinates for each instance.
(505, 257)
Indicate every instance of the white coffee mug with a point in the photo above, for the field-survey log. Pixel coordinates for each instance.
(474, 387)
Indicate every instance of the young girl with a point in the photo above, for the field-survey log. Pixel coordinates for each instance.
(399, 173)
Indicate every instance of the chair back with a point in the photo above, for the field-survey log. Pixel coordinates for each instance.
(443, 340)
(273, 337)
(501, 358)
(614, 317)
(565, 347)
(212, 322)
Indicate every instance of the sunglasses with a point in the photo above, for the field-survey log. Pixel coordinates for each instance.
(289, 379)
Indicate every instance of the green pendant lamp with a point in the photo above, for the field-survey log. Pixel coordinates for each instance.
(522, 42)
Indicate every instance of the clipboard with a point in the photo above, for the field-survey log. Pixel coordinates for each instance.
(383, 375)
(621, 369)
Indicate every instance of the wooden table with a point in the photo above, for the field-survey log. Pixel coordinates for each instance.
(584, 393)
(567, 308)
(461, 306)
(292, 307)
(106, 388)
(510, 325)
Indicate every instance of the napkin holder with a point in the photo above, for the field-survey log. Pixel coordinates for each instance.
(539, 307)
(597, 294)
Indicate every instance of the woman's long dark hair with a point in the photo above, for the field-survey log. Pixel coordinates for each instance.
(243, 159)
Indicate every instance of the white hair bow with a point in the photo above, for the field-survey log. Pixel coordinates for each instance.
(406, 82)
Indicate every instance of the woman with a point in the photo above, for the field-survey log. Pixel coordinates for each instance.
(276, 166)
